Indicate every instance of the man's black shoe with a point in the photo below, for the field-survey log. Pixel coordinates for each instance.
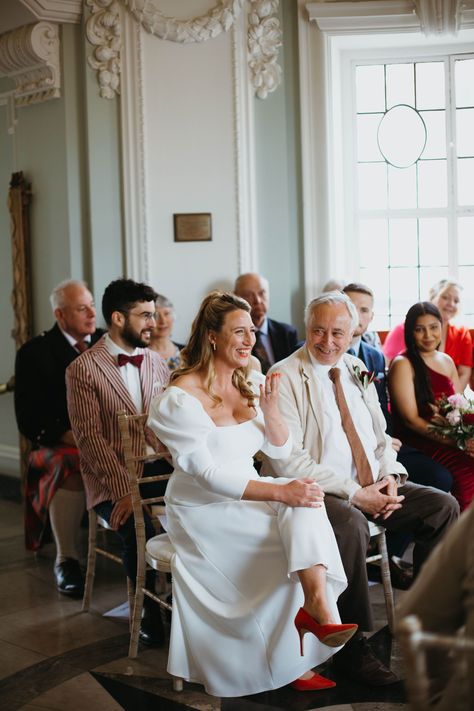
(69, 578)
(357, 661)
(151, 629)
(401, 573)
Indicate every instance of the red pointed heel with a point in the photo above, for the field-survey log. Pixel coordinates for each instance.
(332, 635)
(314, 683)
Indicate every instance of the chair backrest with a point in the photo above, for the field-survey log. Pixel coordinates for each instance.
(132, 462)
(414, 643)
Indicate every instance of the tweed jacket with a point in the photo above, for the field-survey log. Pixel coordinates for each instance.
(300, 405)
(95, 393)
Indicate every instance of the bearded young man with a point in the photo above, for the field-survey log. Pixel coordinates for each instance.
(119, 373)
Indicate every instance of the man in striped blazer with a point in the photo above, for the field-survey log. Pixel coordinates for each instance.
(118, 373)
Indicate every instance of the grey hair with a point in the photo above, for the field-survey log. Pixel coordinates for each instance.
(161, 302)
(56, 298)
(442, 285)
(332, 297)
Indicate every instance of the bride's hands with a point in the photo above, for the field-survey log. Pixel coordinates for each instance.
(302, 492)
(269, 395)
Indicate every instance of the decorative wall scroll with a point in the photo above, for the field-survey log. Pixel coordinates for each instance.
(29, 55)
(264, 39)
(103, 29)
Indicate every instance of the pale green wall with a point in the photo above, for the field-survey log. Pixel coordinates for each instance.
(68, 148)
(278, 159)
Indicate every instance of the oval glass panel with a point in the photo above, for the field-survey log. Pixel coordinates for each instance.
(401, 136)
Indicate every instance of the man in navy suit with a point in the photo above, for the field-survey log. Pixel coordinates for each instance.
(421, 469)
(274, 340)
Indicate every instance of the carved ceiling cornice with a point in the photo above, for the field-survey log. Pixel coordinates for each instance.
(29, 56)
(56, 10)
(432, 17)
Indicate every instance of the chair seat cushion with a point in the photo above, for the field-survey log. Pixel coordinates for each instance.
(160, 552)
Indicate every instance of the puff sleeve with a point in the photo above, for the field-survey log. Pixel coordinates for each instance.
(181, 423)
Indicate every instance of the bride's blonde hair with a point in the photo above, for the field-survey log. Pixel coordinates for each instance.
(198, 355)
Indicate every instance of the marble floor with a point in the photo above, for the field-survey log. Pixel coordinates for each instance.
(53, 656)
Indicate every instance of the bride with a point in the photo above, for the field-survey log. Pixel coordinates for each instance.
(257, 565)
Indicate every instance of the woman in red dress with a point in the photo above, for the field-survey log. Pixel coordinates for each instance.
(417, 379)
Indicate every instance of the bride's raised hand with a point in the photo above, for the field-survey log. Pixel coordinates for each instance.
(302, 492)
(269, 395)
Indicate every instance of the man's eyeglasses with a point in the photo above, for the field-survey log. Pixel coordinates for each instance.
(143, 316)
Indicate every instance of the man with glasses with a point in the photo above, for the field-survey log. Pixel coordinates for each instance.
(54, 490)
(120, 373)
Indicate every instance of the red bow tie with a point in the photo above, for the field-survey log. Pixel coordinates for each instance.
(135, 360)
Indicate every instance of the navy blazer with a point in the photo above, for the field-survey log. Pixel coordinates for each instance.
(283, 337)
(40, 386)
(375, 363)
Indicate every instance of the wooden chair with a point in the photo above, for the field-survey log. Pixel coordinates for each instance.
(378, 532)
(414, 643)
(158, 553)
(100, 525)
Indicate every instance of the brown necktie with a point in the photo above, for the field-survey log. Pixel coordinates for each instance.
(260, 352)
(364, 472)
(81, 346)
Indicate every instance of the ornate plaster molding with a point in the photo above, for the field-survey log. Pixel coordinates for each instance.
(366, 16)
(55, 10)
(29, 55)
(104, 31)
(439, 16)
(197, 29)
(264, 39)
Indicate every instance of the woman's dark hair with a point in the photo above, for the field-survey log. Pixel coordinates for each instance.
(423, 389)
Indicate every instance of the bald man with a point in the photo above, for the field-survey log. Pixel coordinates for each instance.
(274, 340)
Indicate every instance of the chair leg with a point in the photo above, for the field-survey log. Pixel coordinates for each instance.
(91, 560)
(177, 684)
(131, 602)
(136, 621)
(386, 581)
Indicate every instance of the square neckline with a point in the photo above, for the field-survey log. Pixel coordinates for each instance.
(237, 424)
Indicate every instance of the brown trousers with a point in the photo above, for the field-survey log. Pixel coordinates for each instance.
(426, 512)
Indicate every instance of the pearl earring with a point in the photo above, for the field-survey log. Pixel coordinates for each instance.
(213, 346)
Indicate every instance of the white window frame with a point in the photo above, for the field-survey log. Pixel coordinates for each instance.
(329, 244)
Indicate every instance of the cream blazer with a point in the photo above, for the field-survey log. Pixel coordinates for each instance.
(300, 405)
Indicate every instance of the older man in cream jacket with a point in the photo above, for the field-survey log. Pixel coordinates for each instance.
(339, 438)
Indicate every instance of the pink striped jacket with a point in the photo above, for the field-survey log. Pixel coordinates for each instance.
(95, 393)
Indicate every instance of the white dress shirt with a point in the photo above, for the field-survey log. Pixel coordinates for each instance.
(337, 454)
(73, 340)
(130, 373)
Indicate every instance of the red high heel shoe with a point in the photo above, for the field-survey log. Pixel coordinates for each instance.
(332, 635)
(314, 683)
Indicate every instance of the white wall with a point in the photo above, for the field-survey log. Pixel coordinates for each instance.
(190, 166)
